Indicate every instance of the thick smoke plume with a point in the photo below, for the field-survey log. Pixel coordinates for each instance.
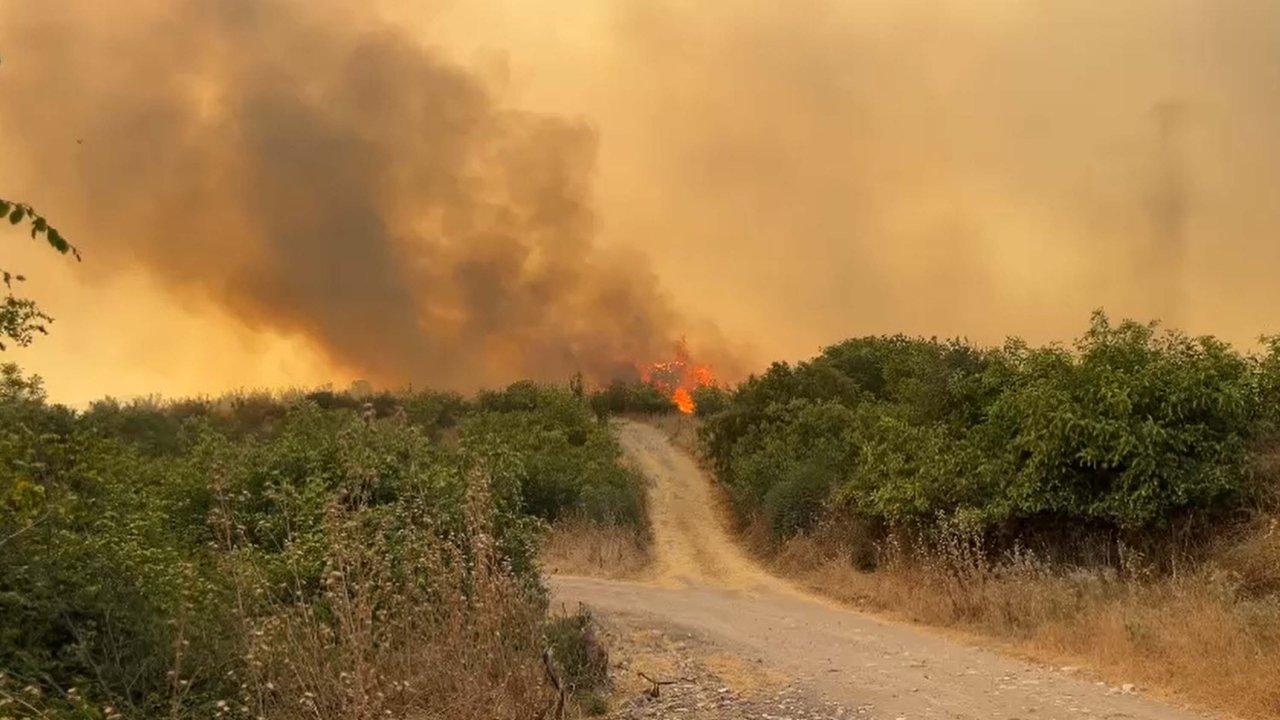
(318, 174)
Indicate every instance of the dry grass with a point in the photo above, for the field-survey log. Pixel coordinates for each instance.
(1210, 635)
(582, 547)
(405, 624)
(681, 429)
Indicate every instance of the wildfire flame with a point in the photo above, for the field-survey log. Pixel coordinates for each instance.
(684, 401)
(679, 377)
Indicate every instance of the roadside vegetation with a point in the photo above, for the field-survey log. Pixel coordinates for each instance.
(1117, 500)
(317, 555)
(634, 397)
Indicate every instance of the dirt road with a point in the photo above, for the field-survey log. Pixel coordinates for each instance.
(703, 582)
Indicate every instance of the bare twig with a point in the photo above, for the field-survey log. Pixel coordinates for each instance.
(554, 678)
(656, 685)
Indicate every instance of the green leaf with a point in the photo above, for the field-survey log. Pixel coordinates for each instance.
(16, 216)
(4, 207)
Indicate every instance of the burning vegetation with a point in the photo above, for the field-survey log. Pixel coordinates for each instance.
(660, 387)
(679, 377)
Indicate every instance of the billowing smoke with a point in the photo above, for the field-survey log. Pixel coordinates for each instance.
(316, 173)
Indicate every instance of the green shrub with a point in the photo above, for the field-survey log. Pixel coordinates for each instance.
(1133, 429)
(622, 396)
(577, 654)
(150, 550)
(709, 400)
(567, 463)
(794, 503)
(1268, 371)
(1129, 431)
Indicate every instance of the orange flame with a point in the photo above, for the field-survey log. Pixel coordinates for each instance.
(684, 401)
(679, 377)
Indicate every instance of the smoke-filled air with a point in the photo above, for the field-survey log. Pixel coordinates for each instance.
(462, 194)
(711, 359)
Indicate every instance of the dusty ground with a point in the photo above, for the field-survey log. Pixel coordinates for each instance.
(832, 662)
(700, 679)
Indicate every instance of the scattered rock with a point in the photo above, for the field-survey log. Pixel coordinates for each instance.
(691, 684)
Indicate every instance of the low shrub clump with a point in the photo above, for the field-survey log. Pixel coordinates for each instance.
(281, 557)
(583, 661)
(631, 397)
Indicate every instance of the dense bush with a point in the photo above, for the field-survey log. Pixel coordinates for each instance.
(567, 462)
(1127, 432)
(709, 399)
(266, 556)
(623, 396)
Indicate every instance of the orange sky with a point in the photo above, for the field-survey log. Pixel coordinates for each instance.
(794, 173)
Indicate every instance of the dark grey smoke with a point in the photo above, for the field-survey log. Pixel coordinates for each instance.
(315, 173)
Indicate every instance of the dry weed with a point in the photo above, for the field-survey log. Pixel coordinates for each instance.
(583, 547)
(1209, 635)
(407, 622)
(681, 430)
